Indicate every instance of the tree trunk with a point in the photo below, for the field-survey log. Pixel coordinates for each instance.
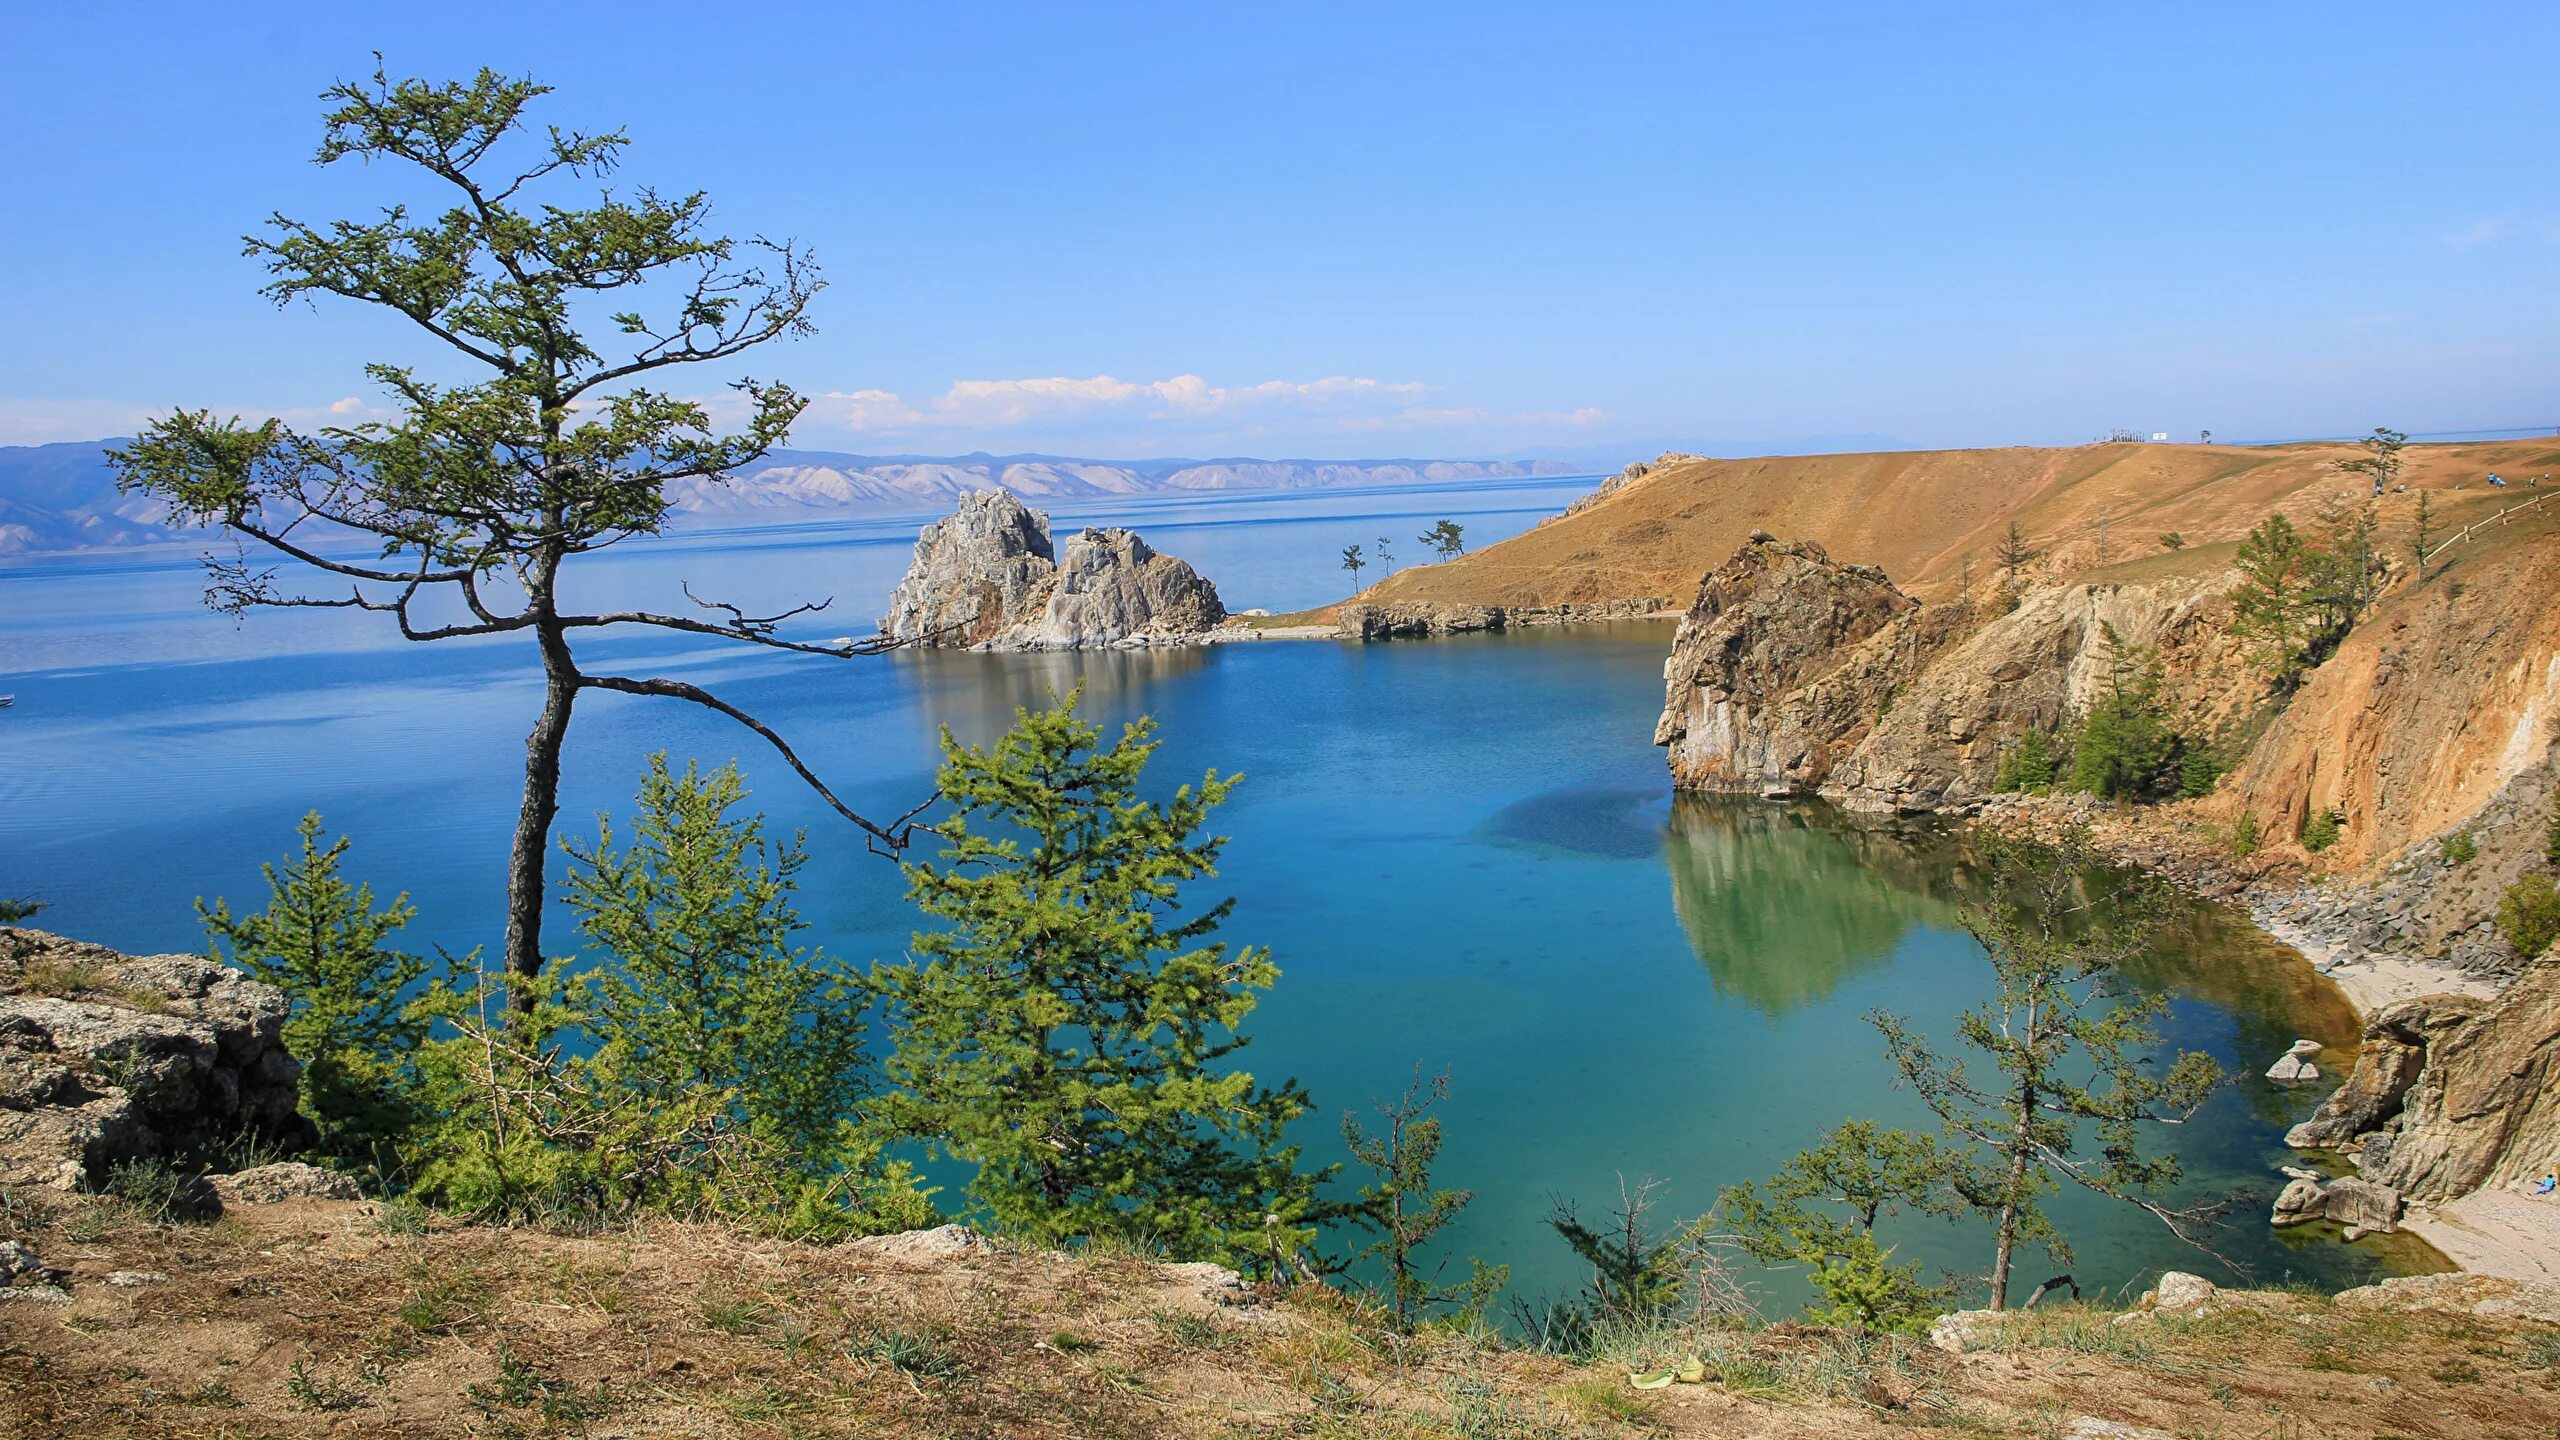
(2008, 1241)
(541, 803)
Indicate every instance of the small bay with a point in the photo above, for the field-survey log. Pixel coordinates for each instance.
(1464, 852)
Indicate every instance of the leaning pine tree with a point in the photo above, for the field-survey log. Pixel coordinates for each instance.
(462, 513)
(1066, 1032)
(2071, 1051)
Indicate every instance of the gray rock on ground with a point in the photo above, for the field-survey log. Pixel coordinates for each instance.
(2179, 1290)
(134, 1057)
(923, 1247)
(288, 1180)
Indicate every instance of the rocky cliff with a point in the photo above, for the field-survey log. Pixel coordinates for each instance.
(1796, 674)
(987, 577)
(107, 1058)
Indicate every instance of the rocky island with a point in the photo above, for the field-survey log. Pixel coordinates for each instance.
(988, 577)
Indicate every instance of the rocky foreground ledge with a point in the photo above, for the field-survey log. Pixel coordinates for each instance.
(307, 1317)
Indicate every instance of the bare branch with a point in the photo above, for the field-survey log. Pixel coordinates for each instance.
(891, 839)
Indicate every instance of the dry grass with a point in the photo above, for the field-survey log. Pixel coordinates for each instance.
(339, 1319)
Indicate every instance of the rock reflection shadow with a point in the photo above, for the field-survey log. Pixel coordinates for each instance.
(976, 694)
(1782, 903)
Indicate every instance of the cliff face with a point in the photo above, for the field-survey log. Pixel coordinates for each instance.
(1795, 674)
(2484, 1110)
(989, 578)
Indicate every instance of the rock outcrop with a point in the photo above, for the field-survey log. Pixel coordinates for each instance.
(2393, 1052)
(106, 1057)
(1795, 674)
(1417, 620)
(988, 578)
(2485, 1107)
(1771, 680)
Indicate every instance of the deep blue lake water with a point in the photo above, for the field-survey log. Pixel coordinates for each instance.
(1463, 852)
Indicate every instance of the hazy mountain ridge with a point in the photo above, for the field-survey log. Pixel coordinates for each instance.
(63, 496)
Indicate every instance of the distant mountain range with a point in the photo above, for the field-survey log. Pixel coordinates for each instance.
(63, 497)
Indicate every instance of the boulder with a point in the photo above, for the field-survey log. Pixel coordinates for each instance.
(988, 577)
(2179, 1290)
(1959, 1331)
(2303, 1199)
(2361, 1204)
(288, 1180)
(106, 1057)
(2295, 1064)
(19, 1265)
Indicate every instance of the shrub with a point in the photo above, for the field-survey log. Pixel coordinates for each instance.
(2199, 770)
(2529, 914)
(695, 1061)
(2320, 831)
(2244, 835)
(321, 941)
(2029, 765)
(2551, 842)
(2459, 849)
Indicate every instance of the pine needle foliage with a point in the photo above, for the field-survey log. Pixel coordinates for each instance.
(1070, 1029)
(1821, 1211)
(2073, 1051)
(323, 941)
(1404, 1210)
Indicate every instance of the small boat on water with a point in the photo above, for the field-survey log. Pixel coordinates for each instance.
(7, 700)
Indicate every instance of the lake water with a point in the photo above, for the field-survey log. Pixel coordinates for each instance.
(1463, 852)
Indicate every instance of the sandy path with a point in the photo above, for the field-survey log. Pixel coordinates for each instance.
(2495, 1232)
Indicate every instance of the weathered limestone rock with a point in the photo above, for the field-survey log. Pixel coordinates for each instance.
(288, 1180)
(1767, 688)
(2459, 1294)
(1958, 1331)
(2484, 1109)
(130, 1057)
(20, 1266)
(2394, 1051)
(988, 578)
(2361, 1204)
(923, 1247)
(1794, 673)
(2302, 1200)
(2294, 1066)
(1113, 587)
(975, 572)
(2090, 1427)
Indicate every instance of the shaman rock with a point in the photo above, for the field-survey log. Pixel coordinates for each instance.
(988, 577)
(975, 572)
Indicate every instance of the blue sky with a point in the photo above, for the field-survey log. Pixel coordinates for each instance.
(1396, 230)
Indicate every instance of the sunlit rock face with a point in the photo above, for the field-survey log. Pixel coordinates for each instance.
(987, 577)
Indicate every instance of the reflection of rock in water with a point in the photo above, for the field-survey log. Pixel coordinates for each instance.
(1783, 902)
(1617, 824)
(976, 693)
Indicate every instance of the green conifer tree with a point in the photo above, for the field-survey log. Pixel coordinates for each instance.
(321, 941)
(1068, 1031)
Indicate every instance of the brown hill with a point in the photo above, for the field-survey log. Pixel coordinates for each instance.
(1922, 514)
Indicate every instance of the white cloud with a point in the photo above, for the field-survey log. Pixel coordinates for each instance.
(1000, 404)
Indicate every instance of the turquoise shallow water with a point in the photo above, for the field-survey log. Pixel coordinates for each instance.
(1463, 852)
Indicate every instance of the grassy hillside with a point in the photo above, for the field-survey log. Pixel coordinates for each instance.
(1921, 514)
